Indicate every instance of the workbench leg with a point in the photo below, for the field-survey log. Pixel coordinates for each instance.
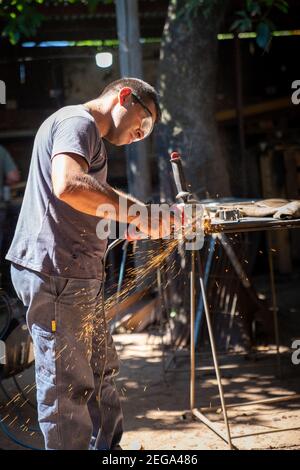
(274, 304)
(215, 359)
(192, 331)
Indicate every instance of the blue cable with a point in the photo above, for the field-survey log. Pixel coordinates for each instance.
(14, 439)
(18, 414)
(200, 306)
(6, 431)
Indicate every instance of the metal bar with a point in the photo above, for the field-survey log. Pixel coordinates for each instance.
(206, 274)
(256, 402)
(215, 359)
(236, 264)
(252, 225)
(265, 432)
(225, 355)
(162, 312)
(274, 304)
(223, 367)
(192, 332)
(232, 227)
(211, 426)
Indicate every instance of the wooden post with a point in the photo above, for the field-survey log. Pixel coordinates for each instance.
(130, 56)
(240, 116)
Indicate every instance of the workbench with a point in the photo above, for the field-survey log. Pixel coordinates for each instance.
(218, 228)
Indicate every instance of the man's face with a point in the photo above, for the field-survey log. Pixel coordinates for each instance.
(132, 118)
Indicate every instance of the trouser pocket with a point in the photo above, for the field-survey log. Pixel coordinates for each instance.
(59, 286)
(44, 351)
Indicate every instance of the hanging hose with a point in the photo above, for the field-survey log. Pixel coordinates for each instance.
(14, 438)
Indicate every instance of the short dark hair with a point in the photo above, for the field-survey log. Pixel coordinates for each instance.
(141, 88)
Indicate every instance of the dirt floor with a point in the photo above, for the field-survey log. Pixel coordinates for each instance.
(156, 403)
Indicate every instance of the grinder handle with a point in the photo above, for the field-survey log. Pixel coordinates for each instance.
(179, 178)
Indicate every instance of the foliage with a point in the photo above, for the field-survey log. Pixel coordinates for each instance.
(192, 7)
(256, 16)
(23, 18)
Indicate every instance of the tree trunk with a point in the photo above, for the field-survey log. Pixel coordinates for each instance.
(187, 85)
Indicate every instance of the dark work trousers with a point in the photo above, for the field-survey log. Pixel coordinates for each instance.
(74, 356)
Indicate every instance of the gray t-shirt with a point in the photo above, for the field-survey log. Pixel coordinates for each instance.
(51, 237)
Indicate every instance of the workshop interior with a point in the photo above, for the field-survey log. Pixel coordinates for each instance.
(208, 334)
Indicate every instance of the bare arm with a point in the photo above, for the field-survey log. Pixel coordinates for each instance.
(74, 186)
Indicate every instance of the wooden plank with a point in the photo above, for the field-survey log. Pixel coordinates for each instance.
(143, 317)
(121, 307)
(254, 109)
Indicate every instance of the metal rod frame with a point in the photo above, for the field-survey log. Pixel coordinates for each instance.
(195, 412)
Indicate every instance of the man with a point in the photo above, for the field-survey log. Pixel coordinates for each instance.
(9, 175)
(56, 261)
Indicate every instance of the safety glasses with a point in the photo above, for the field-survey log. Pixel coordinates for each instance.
(147, 122)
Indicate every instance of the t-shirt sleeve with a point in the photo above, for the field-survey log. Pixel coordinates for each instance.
(75, 135)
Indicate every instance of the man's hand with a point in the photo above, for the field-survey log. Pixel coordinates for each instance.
(192, 224)
(160, 225)
(157, 224)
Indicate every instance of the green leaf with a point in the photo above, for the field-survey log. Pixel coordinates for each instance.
(268, 3)
(236, 25)
(242, 13)
(282, 5)
(92, 5)
(242, 25)
(192, 8)
(255, 9)
(263, 37)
